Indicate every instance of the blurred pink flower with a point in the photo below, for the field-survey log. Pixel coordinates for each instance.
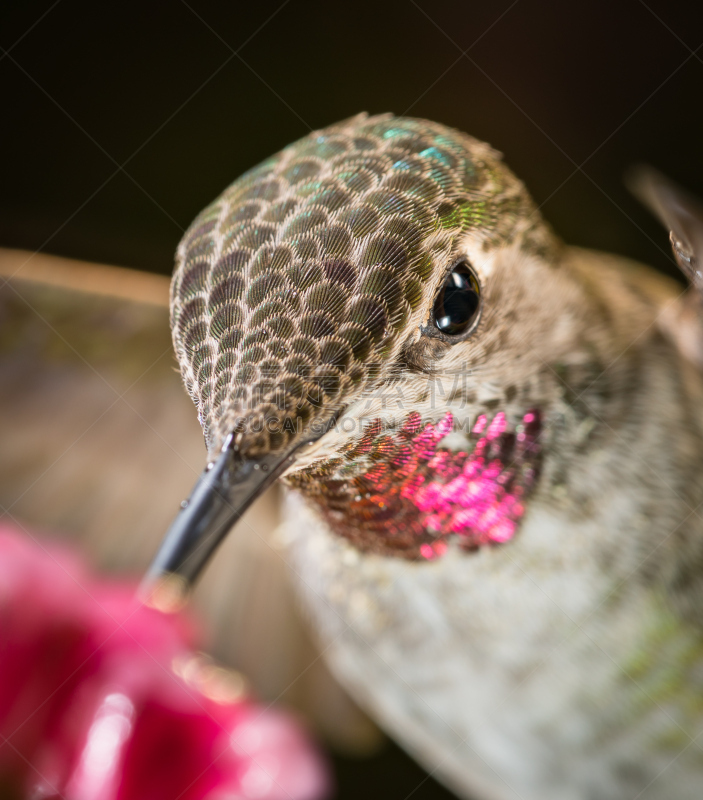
(102, 698)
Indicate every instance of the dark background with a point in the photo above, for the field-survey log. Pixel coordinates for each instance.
(120, 121)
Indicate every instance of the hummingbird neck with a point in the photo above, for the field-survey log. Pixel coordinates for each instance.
(414, 491)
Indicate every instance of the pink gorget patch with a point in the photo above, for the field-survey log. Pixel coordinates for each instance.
(406, 494)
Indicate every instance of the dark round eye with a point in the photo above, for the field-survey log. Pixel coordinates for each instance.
(457, 304)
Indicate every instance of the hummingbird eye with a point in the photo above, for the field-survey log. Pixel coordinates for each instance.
(456, 309)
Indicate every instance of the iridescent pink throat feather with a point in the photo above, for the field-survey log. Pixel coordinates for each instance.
(408, 494)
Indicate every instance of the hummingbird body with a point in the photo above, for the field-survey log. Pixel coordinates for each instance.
(494, 450)
(556, 666)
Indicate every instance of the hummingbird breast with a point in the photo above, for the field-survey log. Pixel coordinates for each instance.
(507, 674)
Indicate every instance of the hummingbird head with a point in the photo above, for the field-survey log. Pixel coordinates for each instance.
(356, 257)
(375, 278)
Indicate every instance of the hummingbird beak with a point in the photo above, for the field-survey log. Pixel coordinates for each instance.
(224, 491)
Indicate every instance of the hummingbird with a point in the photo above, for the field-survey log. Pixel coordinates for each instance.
(492, 448)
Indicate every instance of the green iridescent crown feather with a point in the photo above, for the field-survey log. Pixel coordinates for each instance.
(299, 285)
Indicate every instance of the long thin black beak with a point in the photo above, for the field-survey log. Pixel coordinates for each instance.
(224, 491)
